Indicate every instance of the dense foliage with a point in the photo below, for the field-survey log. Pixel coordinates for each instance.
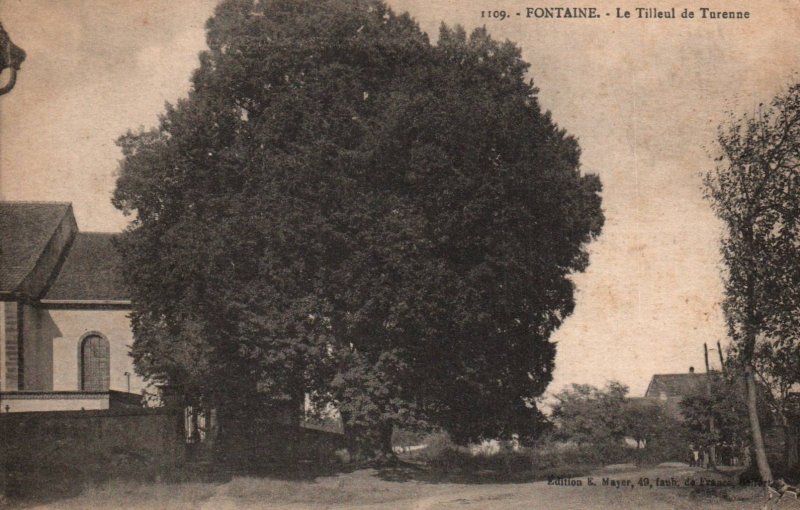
(721, 402)
(604, 418)
(341, 209)
(584, 414)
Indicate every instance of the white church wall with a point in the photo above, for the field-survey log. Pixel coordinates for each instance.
(71, 326)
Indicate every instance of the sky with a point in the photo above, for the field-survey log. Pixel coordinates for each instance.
(643, 97)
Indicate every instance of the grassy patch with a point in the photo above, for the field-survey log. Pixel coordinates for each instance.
(455, 464)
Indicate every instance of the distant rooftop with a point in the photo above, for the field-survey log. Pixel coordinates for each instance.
(674, 385)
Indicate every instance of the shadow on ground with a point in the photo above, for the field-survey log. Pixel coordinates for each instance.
(50, 484)
(46, 485)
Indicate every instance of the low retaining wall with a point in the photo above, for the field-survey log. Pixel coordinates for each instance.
(36, 446)
(45, 450)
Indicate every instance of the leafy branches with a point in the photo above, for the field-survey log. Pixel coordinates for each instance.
(341, 209)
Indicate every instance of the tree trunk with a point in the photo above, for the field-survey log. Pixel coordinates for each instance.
(755, 427)
(748, 349)
(212, 428)
(350, 437)
(790, 453)
(385, 431)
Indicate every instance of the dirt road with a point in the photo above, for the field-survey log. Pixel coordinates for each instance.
(657, 488)
(666, 487)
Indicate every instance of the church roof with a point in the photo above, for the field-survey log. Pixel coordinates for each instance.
(674, 385)
(26, 228)
(90, 272)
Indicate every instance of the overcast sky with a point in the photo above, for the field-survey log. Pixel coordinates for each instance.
(644, 98)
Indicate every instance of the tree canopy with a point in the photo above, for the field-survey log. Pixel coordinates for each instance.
(603, 425)
(604, 417)
(341, 209)
(585, 414)
(722, 402)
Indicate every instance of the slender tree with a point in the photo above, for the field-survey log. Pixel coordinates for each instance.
(754, 190)
(777, 368)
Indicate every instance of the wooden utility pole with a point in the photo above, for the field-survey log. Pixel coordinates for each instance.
(712, 450)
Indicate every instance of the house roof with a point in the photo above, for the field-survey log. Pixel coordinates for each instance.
(90, 272)
(674, 385)
(25, 230)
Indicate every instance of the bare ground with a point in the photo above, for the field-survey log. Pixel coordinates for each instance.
(403, 489)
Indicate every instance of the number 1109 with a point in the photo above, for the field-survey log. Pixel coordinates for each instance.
(494, 14)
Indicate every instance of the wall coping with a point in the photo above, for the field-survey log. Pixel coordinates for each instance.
(85, 304)
(53, 395)
(144, 411)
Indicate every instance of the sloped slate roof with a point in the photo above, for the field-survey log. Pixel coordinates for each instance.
(25, 229)
(91, 271)
(674, 385)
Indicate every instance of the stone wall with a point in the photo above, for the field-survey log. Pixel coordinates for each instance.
(58, 452)
(39, 446)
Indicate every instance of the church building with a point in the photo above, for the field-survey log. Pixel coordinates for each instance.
(65, 334)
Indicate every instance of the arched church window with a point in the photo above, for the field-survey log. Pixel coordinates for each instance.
(95, 363)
